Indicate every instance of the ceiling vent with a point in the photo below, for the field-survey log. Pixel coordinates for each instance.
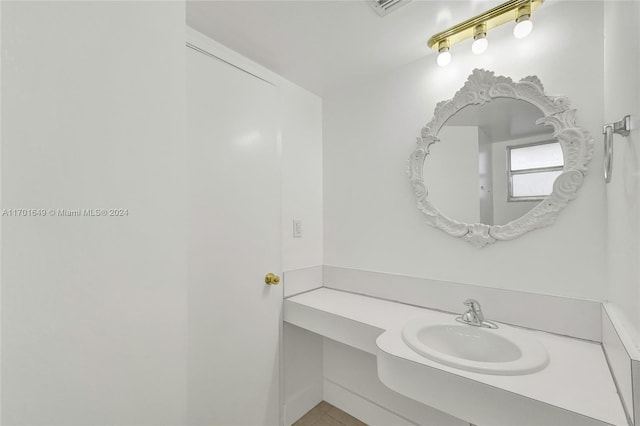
(385, 7)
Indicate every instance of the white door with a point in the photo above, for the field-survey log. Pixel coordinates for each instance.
(234, 240)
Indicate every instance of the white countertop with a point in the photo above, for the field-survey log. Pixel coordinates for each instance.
(577, 378)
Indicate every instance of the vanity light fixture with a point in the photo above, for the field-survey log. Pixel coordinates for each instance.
(477, 27)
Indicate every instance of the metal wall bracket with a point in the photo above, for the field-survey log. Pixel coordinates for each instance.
(622, 128)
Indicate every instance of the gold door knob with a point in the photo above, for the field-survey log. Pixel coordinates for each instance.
(271, 279)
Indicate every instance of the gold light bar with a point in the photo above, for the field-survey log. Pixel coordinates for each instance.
(501, 14)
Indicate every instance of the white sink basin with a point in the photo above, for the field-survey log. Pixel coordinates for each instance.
(501, 351)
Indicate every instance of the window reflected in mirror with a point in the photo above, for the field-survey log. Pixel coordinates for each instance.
(532, 169)
(498, 159)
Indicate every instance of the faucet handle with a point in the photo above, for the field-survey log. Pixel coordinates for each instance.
(473, 304)
(474, 307)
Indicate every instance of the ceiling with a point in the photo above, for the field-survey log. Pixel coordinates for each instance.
(322, 45)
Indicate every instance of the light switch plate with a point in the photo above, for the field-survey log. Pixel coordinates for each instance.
(297, 228)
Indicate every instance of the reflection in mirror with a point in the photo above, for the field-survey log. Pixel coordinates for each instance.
(505, 163)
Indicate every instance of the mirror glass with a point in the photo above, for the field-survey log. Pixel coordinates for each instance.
(492, 163)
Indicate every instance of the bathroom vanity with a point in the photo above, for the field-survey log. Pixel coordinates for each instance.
(574, 388)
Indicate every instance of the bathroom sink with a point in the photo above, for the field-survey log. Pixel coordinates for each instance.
(501, 351)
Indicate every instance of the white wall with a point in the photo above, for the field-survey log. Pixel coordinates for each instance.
(453, 163)
(371, 220)
(301, 128)
(93, 308)
(622, 97)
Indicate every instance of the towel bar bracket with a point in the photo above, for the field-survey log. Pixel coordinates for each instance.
(622, 128)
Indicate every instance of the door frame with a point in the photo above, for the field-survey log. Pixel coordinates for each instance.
(198, 41)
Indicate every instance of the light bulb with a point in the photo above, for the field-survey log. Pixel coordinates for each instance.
(479, 45)
(444, 57)
(523, 28)
(480, 42)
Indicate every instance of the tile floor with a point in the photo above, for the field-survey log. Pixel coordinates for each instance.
(325, 414)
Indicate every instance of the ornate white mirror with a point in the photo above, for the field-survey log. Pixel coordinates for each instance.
(499, 159)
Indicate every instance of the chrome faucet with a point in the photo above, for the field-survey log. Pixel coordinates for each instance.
(474, 316)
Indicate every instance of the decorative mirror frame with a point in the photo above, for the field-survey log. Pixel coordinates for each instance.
(577, 147)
